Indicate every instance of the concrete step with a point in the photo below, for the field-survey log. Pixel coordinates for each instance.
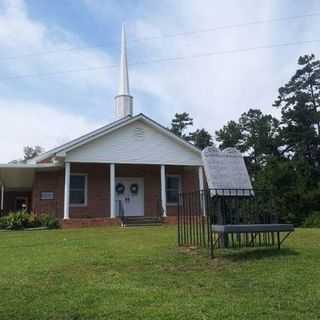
(143, 224)
(142, 221)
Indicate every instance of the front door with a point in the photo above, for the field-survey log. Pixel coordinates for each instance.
(130, 196)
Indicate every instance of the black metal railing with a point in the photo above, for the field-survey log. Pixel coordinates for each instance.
(192, 219)
(120, 211)
(241, 206)
(198, 211)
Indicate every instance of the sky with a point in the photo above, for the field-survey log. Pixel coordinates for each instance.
(59, 62)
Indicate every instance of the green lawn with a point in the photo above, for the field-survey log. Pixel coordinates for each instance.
(114, 273)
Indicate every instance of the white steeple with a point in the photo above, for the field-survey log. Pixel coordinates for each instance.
(124, 102)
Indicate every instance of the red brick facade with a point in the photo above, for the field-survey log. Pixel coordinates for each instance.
(98, 202)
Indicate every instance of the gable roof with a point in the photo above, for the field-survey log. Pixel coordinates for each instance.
(71, 145)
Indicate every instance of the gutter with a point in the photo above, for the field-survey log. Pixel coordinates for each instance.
(28, 166)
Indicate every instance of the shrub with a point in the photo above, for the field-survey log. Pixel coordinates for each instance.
(46, 220)
(17, 220)
(33, 221)
(313, 220)
(21, 220)
(4, 222)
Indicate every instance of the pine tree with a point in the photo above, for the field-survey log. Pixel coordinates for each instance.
(180, 124)
(299, 100)
(201, 138)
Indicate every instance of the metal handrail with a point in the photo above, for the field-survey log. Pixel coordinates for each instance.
(120, 210)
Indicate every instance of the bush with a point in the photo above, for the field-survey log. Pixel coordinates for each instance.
(312, 221)
(49, 221)
(4, 222)
(33, 221)
(21, 220)
(17, 220)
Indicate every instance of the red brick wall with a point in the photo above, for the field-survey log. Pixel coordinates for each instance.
(99, 188)
(49, 181)
(189, 179)
(98, 191)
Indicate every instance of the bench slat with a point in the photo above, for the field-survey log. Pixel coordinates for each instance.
(243, 228)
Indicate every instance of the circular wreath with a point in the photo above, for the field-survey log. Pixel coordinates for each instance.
(134, 188)
(120, 188)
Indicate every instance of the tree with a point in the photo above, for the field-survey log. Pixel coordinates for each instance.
(255, 134)
(260, 135)
(283, 156)
(180, 123)
(201, 138)
(230, 136)
(31, 152)
(299, 100)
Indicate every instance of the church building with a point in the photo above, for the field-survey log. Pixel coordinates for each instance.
(133, 167)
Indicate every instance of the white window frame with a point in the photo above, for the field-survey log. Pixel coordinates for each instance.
(179, 187)
(85, 204)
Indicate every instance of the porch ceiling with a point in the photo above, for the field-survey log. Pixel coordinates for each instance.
(17, 178)
(20, 176)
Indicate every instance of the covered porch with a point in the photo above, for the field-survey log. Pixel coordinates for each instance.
(113, 191)
(16, 186)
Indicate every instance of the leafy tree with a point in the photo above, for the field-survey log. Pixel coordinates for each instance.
(32, 152)
(180, 124)
(289, 181)
(255, 134)
(230, 136)
(299, 100)
(260, 135)
(201, 138)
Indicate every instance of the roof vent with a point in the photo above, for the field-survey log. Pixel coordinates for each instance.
(139, 133)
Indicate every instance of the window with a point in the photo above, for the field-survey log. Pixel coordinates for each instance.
(173, 185)
(45, 195)
(78, 190)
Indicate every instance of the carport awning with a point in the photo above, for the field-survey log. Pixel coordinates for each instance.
(20, 176)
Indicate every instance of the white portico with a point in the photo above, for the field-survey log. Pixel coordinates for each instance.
(134, 143)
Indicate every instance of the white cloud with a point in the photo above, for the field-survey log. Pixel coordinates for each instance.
(24, 124)
(219, 88)
(22, 36)
(34, 120)
(212, 89)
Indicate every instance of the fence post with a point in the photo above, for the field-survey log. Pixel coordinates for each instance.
(179, 222)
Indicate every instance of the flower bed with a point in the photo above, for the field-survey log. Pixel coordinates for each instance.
(22, 220)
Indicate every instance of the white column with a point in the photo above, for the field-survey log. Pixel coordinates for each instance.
(163, 191)
(112, 191)
(2, 198)
(67, 190)
(201, 190)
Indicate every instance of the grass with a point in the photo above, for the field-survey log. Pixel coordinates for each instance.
(113, 273)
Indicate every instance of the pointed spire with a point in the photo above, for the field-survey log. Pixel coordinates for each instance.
(124, 102)
(124, 76)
